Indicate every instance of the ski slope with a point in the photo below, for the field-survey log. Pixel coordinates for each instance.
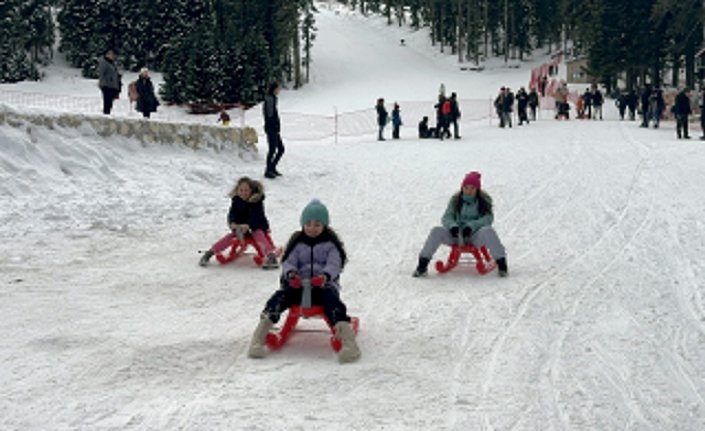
(109, 323)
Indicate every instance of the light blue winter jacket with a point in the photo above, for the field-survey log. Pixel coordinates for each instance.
(469, 214)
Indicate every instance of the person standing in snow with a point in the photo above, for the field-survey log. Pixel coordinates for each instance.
(314, 253)
(396, 121)
(681, 109)
(455, 115)
(597, 101)
(382, 118)
(522, 102)
(108, 80)
(533, 103)
(644, 99)
(146, 100)
(656, 106)
(272, 128)
(467, 220)
(246, 217)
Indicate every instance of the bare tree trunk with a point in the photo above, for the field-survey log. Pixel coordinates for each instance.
(459, 17)
(297, 59)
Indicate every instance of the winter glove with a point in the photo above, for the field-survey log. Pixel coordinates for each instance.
(454, 231)
(293, 279)
(467, 232)
(319, 280)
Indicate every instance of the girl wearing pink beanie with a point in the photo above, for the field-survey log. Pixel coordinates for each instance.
(467, 219)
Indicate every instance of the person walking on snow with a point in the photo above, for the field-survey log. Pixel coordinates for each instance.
(246, 217)
(467, 220)
(315, 253)
(272, 127)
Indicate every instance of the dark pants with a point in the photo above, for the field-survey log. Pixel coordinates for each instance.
(109, 95)
(682, 126)
(456, 128)
(276, 151)
(523, 118)
(395, 132)
(327, 297)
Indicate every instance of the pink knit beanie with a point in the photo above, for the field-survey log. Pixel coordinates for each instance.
(472, 179)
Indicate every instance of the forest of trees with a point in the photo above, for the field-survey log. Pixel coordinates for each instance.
(635, 40)
(226, 51)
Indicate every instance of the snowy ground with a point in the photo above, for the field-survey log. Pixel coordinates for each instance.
(108, 323)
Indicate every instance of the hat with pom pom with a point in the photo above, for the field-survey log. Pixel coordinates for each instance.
(472, 179)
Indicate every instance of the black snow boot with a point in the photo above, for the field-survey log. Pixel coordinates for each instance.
(502, 267)
(206, 257)
(422, 268)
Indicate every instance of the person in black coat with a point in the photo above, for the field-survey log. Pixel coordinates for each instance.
(382, 118)
(425, 132)
(597, 101)
(587, 101)
(632, 102)
(645, 98)
(272, 127)
(454, 115)
(146, 100)
(522, 102)
(246, 217)
(533, 103)
(681, 109)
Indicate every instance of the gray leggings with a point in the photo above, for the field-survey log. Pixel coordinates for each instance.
(484, 236)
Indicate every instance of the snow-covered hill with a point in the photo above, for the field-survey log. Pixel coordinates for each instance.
(108, 322)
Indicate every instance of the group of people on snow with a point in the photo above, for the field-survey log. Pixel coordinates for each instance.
(589, 104)
(140, 91)
(504, 105)
(447, 114)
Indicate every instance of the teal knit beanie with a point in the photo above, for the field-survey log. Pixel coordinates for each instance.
(315, 210)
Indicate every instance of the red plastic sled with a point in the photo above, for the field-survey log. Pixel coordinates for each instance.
(238, 248)
(483, 261)
(277, 339)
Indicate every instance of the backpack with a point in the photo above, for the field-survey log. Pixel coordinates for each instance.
(132, 91)
(446, 108)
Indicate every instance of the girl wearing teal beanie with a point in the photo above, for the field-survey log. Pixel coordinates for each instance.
(315, 253)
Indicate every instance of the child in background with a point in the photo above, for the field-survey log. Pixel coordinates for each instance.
(246, 215)
(316, 253)
(396, 121)
(224, 118)
(467, 219)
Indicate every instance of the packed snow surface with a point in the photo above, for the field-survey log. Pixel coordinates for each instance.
(109, 323)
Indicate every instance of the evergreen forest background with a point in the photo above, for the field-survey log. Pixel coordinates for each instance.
(226, 51)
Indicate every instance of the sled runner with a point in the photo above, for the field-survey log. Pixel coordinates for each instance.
(277, 339)
(481, 257)
(240, 245)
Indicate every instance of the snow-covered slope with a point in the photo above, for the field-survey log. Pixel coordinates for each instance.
(108, 322)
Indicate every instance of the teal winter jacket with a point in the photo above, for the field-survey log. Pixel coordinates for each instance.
(473, 211)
